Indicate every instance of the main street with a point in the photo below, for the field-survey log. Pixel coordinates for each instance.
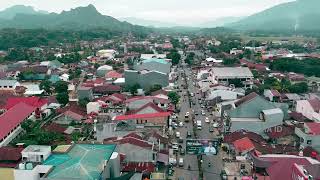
(212, 172)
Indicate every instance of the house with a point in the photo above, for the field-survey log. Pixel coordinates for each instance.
(255, 114)
(34, 73)
(285, 167)
(37, 102)
(10, 157)
(224, 95)
(106, 89)
(309, 135)
(10, 122)
(32, 90)
(8, 84)
(135, 150)
(72, 112)
(150, 56)
(309, 108)
(106, 54)
(139, 101)
(154, 64)
(113, 75)
(224, 75)
(85, 93)
(145, 78)
(103, 70)
(243, 146)
(148, 119)
(272, 95)
(42, 164)
(97, 107)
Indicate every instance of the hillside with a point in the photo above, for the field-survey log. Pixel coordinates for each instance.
(150, 23)
(299, 15)
(76, 19)
(11, 12)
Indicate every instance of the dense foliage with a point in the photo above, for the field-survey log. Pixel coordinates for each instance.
(174, 56)
(309, 67)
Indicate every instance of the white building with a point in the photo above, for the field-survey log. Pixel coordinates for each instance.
(222, 75)
(309, 108)
(36, 153)
(106, 53)
(8, 84)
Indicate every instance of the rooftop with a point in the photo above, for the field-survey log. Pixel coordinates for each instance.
(314, 128)
(13, 117)
(83, 161)
(37, 148)
(139, 116)
(232, 72)
(161, 61)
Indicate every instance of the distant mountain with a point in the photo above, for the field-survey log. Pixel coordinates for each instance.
(11, 12)
(219, 22)
(150, 23)
(76, 19)
(299, 15)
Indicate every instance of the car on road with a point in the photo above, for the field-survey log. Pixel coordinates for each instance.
(188, 134)
(207, 120)
(202, 106)
(193, 102)
(215, 125)
(181, 124)
(187, 115)
(196, 113)
(180, 140)
(203, 112)
(182, 151)
(181, 162)
(211, 129)
(175, 147)
(177, 134)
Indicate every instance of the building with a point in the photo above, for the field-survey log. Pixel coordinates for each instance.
(153, 64)
(309, 108)
(272, 95)
(10, 122)
(8, 84)
(85, 93)
(223, 75)
(146, 78)
(140, 120)
(103, 70)
(71, 162)
(150, 56)
(255, 114)
(309, 135)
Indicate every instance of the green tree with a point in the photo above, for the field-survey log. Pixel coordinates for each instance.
(285, 85)
(46, 86)
(236, 82)
(63, 98)
(174, 56)
(154, 88)
(230, 61)
(61, 87)
(27, 125)
(175, 43)
(174, 97)
(299, 88)
(134, 88)
(83, 102)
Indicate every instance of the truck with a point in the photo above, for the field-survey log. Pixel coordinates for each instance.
(199, 125)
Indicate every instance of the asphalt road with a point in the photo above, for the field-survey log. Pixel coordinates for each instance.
(212, 172)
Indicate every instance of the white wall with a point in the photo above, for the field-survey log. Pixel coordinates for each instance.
(304, 107)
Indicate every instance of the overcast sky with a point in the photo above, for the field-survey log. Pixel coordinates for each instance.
(178, 11)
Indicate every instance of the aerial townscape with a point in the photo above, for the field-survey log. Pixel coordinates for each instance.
(86, 96)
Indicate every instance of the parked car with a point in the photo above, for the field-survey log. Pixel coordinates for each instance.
(180, 140)
(180, 124)
(188, 134)
(215, 125)
(207, 120)
(211, 129)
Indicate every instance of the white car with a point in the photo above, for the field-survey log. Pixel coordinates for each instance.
(215, 125)
(177, 134)
(207, 120)
(203, 112)
(181, 124)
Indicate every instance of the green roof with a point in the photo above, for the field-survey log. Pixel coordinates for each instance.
(83, 161)
(162, 61)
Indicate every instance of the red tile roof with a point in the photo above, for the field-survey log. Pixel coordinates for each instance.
(134, 135)
(138, 167)
(161, 91)
(146, 97)
(315, 103)
(243, 145)
(150, 104)
(275, 93)
(140, 116)
(10, 153)
(53, 127)
(314, 128)
(31, 101)
(13, 117)
(230, 138)
(279, 131)
(113, 74)
(134, 141)
(246, 98)
(106, 88)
